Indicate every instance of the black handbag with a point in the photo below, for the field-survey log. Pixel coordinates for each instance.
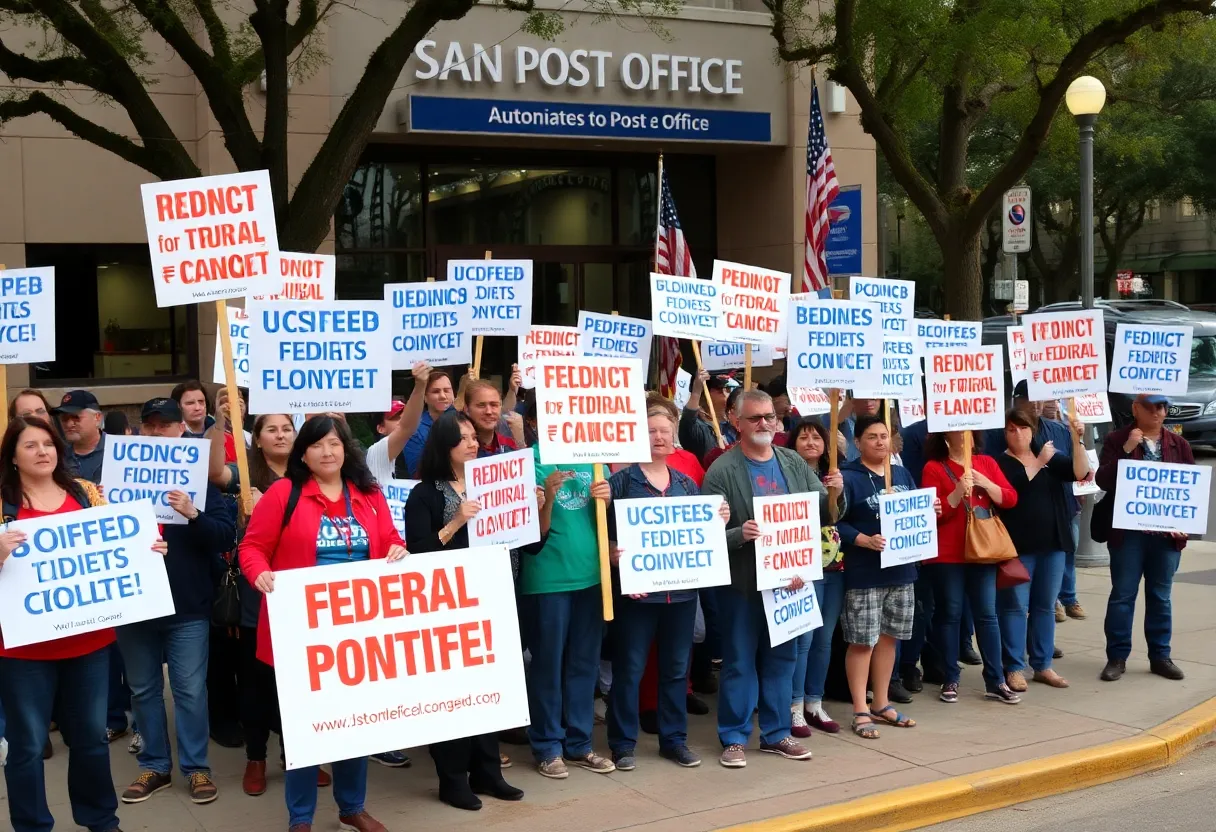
(226, 608)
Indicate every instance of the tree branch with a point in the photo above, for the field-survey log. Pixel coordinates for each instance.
(795, 54)
(217, 33)
(57, 71)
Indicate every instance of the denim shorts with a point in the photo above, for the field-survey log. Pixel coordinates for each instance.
(878, 610)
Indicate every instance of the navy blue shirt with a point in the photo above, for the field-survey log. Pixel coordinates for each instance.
(413, 448)
(1049, 431)
(862, 487)
(631, 484)
(87, 466)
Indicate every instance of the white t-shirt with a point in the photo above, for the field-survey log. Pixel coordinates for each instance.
(378, 461)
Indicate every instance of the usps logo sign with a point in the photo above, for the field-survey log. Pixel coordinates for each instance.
(1015, 227)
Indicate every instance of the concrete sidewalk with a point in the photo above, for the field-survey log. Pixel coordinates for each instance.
(950, 740)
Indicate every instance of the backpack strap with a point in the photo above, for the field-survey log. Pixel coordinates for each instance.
(292, 500)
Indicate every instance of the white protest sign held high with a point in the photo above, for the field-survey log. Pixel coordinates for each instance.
(1162, 497)
(592, 410)
(305, 277)
(135, 468)
(83, 571)
(900, 371)
(1065, 354)
(671, 543)
(543, 342)
(683, 388)
(790, 613)
(789, 544)
(965, 388)
(933, 334)
(896, 301)
(27, 315)
(911, 410)
(753, 302)
(614, 336)
(718, 355)
(781, 347)
(430, 322)
(909, 526)
(1152, 359)
(396, 655)
(500, 294)
(1089, 487)
(505, 485)
(685, 307)
(1016, 338)
(396, 492)
(834, 343)
(212, 238)
(809, 401)
(1092, 409)
(312, 356)
(238, 331)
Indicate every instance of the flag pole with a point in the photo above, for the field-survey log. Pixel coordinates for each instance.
(479, 343)
(658, 213)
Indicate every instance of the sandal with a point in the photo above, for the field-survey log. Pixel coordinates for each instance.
(900, 721)
(865, 730)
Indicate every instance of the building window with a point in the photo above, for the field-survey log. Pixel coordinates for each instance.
(1152, 211)
(107, 324)
(1187, 208)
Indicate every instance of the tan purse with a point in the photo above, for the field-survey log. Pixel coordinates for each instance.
(987, 540)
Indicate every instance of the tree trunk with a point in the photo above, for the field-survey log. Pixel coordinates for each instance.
(962, 280)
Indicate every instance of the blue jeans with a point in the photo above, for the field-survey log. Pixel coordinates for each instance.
(77, 689)
(120, 692)
(564, 634)
(637, 625)
(350, 790)
(1068, 585)
(183, 645)
(752, 672)
(1036, 635)
(952, 583)
(814, 649)
(1153, 558)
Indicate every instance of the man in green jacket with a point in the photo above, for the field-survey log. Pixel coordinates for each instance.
(754, 468)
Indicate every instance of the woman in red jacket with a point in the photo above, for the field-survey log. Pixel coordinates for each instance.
(327, 509)
(949, 573)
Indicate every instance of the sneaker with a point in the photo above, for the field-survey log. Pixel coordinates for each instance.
(554, 769)
(798, 726)
(967, 655)
(392, 759)
(300, 827)
(733, 756)
(1166, 669)
(1075, 611)
(1016, 681)
(695, 705)
(146, 784)
(896, 692)
(818, 718)
(789, 748)
(594, 762)
(1114, 670)
(910, 675)
(362, 822)
(682, 755)
(1057, 653)
(136, 745)
(949, 693)
(1061, 614)
(1003, 693)
(114, 734)
(202, 788)
(624, 760)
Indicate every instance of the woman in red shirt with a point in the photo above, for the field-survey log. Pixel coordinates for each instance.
(72, 672)
(326, 510)
(950, 575)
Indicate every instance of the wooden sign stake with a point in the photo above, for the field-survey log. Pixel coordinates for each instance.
(833, 450)
(747, 366)
(886, 406)
(234, 407)
(601, 529)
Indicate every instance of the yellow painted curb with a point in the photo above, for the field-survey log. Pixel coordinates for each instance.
(915, 807)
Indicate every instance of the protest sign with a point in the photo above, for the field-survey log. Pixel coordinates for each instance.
(1090, 486)
(430, 322)
(372, 656)
(1092, 408)
(1162, 497)
(809, 401)
(592, 410)
(312, 356)
(671, 543)
(790, 613)
(783, 338)
(614, 336)
(900, 371)
(1065, 354)
(500, 294)
(505, 485)
(911, 410)
(238, 331)
(305, 277)
(719, 355)
(909, 526)
(396, 492)
(683, 388)
(135, 468)
(1151, 359)
(543, 342)
(212, 238)
(1016, 338)
(834, 343)
(933, 334)
(685, 307)
(83, 571)
(27, 315)
(753, 302)
(789, 544)
(965, 388)
(896, 301)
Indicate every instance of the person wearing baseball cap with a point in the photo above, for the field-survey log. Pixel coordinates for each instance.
(79, 417)
(1135, 556)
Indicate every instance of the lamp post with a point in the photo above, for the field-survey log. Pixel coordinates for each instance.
(1085, 97)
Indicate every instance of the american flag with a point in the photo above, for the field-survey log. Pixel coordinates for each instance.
(671, 256)
(821, 188)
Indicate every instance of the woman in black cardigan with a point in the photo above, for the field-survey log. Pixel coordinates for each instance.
(436, 516)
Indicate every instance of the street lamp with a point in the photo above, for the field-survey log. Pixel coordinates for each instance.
(1085, 97)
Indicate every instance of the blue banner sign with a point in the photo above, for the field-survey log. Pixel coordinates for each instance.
(843, 251)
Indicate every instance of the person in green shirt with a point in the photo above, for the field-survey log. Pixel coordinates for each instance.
(563, 621)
